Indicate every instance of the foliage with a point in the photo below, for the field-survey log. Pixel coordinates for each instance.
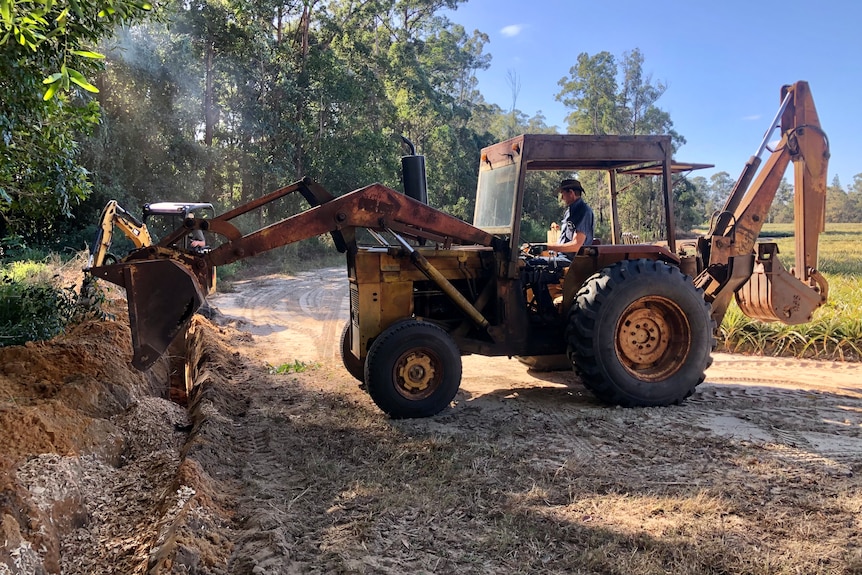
(296, 367)
(610, 96)
(46, 57)
(32, 311)
(14, 248)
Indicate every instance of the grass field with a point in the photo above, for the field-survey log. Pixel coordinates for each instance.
(836, 329)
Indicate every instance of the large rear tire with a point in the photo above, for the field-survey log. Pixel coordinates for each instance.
(640, 334)
(352, 364)
(413, 369)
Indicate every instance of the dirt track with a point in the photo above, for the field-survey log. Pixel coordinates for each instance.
(770, 432)
(300, 318)
(759, 472)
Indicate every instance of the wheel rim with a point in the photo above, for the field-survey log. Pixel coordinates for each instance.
(417, 373)
(653, 338)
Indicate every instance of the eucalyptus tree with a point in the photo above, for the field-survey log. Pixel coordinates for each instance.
(428, 66)
(854, 198)
(606, 96)
(233, 100)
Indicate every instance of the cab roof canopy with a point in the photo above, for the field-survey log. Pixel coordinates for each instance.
(632, 155)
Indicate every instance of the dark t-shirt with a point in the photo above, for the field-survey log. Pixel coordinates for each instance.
(578, 217)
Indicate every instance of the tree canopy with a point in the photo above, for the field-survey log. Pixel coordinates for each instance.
(47, 54)
(226, 100)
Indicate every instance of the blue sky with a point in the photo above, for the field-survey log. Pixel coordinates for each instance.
(724, 62)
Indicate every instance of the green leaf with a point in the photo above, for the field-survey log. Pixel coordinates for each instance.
(28, 38)
(80, 80)
(88, 54)
(64, 15)
(5, 197)
(77, 8)
(6, 11)
(49, 93)
(52, 78)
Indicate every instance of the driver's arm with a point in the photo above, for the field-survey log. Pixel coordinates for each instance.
(569, 247)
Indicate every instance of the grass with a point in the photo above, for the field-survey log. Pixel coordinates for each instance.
(835, 331)
(296, 367)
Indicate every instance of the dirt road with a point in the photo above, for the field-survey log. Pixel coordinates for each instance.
(300, 318)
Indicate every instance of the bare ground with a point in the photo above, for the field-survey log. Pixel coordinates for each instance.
(757, 473)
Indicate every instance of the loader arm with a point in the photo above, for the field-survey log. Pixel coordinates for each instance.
(164, 285)
(375, 207)
(764, 289)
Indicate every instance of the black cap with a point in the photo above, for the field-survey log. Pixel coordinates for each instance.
(573, 185)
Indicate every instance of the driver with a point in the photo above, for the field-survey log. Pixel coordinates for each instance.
(576, 229)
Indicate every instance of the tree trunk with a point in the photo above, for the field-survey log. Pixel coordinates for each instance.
(210, 117)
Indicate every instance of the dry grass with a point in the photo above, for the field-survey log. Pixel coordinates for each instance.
(479, 503)
(336, 487)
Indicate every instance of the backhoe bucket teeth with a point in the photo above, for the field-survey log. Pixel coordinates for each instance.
(163, 296)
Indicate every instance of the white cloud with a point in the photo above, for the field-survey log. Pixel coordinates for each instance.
(512, 30)
(751, 118)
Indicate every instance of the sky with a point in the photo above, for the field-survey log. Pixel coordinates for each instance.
(723, 61)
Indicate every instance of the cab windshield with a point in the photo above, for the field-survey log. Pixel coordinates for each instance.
(495, 199)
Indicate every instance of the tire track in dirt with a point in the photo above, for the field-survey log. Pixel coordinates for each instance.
(294, 317)
(798, 403)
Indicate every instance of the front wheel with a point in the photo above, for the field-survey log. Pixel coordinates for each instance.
(413, 369)
(352, 364)
(640, 334)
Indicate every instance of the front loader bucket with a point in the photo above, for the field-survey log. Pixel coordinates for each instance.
(163, 296)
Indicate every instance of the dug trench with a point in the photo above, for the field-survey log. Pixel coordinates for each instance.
(294, 470)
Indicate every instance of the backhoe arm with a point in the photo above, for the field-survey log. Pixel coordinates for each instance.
(764, 289)
(113, 214)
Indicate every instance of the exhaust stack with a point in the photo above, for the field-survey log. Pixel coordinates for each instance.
(413, 174)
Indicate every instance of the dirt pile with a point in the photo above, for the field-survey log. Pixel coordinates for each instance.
(76, 423)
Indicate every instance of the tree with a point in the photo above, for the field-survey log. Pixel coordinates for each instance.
(838, 207)
(781, 211)
(607, 97)
(233, 101)
(590, 92)
(854, 199)
(46, 54)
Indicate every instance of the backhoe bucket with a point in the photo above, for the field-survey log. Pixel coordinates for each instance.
(163, 296)
(774, 294)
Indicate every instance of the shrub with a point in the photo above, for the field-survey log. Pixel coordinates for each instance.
(32, 311)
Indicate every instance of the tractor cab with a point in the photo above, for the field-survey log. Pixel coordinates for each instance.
(508, 174)
(162, 218)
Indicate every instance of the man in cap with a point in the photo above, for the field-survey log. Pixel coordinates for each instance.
(576, 229)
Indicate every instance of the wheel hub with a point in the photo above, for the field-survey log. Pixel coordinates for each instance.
(415, 373)
(653, 338)
(643, 336)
